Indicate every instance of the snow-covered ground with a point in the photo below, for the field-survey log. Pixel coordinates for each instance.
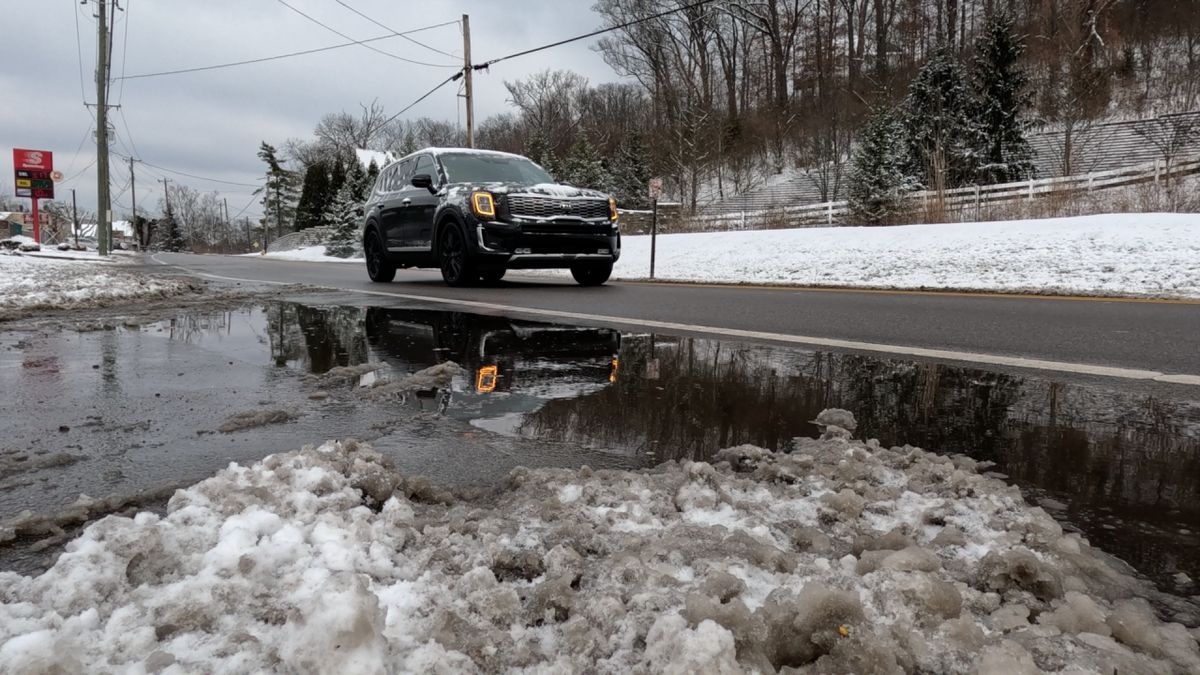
(308, 254)
(840, 556)
(30, 283)
(1145, 254)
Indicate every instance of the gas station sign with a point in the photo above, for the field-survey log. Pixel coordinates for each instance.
(33, 171)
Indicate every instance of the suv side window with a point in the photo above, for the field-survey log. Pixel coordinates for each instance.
(382, 179)
(403, 173)
(425, 165)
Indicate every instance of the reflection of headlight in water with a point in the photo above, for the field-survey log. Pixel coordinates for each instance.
(612, 374)
(485, 379)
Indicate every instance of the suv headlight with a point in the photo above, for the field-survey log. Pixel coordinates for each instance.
(483, 205)
(612, 208)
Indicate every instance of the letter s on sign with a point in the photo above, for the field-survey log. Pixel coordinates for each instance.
(33, 158)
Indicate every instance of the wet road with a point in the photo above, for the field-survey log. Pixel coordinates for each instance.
(112, 412)
(1142, 339)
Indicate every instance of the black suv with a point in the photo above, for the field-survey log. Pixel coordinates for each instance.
(476, 214)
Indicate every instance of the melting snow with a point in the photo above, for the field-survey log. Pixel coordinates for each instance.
(327, 560)
(28, 283)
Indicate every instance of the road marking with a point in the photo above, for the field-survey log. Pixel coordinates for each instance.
(833, 343)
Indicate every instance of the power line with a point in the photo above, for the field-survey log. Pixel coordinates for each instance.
(124, 59)
(79, 53)
(422, 44)
(125, 123)
(594, 33)
(190, 175)
(374, 49)
(284, 56)
(424, 96)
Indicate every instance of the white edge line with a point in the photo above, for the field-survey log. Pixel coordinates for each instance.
(923, 352)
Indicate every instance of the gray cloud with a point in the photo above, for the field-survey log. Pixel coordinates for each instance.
(210, 123)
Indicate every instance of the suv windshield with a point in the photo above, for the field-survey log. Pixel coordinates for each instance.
(483, 168)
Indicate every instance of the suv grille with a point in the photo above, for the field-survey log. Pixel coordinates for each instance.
(528, 206)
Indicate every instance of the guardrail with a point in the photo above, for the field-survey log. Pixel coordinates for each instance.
(292, 241)
(958, 199)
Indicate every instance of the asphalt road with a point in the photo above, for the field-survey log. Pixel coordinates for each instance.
(1162, 337)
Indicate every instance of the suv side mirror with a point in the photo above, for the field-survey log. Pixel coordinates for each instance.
(423, 180)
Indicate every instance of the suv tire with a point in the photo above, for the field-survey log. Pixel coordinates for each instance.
(492, 276)
(593, 274)
(453, 257)
(379, 268)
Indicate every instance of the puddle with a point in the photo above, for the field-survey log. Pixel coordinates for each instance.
(142, 406)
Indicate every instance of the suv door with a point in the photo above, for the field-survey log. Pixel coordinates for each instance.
(393, 205)
(417, 228)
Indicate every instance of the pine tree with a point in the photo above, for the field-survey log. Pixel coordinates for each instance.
(369, 182)
(943, 140)
(337, 178)
(356, 178)
(537, 149)
(1000, 100)
(279, 193)
(343, 215)
(314, 197)
(583, 167)
(877, 181)
(630, 176)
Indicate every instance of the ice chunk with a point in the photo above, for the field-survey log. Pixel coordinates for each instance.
(1076, 613)
(672, 648)
(1007, 658)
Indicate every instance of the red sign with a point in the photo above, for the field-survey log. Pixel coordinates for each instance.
(38, 160)
(33, 169)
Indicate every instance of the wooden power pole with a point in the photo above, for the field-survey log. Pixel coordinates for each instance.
(137, 231)
(467, 71)
(102, 224)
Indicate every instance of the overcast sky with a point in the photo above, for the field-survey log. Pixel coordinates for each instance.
(210, 123)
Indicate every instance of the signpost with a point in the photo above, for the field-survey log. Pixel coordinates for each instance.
(34, 176)
(656, 186)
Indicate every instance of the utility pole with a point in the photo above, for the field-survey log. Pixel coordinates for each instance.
(102, 224)
(227, 235)
(137, 230)
(467, 71)
(75, 217)
(278, 213)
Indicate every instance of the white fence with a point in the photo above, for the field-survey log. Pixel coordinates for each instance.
(958, 200)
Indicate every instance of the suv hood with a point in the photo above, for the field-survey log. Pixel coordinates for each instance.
(545, 189)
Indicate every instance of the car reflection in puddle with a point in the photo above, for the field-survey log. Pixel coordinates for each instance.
(512, 367)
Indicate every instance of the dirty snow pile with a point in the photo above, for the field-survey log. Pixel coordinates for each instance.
(39, 283)
(840, 556)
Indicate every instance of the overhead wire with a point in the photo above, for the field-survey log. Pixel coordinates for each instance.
(124, 56)
(374, 49)
(79, 53)
(424, 96)
(285, 56)
(594, 33)
(416, 42)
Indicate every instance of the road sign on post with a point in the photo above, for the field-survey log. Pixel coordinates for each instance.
(33, 176)
(656, 186)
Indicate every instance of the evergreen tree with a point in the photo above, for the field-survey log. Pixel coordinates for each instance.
(356, 178)
(314, 197)
(583, 167)
(337, 178)
(343, 215)
(537, 149)
(943, 140)
(369, 182)
(877, 180)
(630, 176)
(409, 145)
(279, 193)
(1001, 98)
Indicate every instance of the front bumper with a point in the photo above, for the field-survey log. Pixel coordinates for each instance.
(547, 245)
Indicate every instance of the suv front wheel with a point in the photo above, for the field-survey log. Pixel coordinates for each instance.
(453, 257)
(379, 268)
(592, 274)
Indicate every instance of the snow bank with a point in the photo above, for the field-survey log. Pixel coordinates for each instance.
(31, 283)
(841, 556)
(306, 254)
(1148, 254)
